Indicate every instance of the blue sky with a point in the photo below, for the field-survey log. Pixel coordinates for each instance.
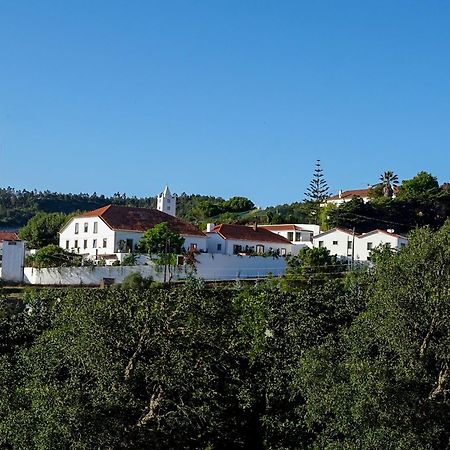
(221, 97)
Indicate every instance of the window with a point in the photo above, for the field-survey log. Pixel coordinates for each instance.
(67, 245)
(75, 244)
(129, 245)
(219, 247)
(335, 242)
(193, 247)
(95, 227)
(105, 242)
(298, 236)
(237, 249)
(85, 243)
(320, 244)
(168, 208)
(283, 252)
(168, 200)
(260, 249)
(402, 244)
(369, 246)
(76, 227)
(290, 235)
(349, 245)
(86, 227)
(94, 243)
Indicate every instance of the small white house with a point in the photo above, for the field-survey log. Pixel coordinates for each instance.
(339, 241)
(368, 241)
(300, 235)
(346, 196)
(346, 244)
(114, 229)
(232, 239)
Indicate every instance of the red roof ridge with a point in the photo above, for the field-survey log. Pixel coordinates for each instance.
(247, 233)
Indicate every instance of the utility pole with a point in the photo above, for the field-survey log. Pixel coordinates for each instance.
(353, 248)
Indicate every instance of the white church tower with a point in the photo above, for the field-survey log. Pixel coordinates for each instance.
(167, 202)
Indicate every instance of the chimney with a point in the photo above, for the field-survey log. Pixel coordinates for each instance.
(255, 226)
(209, 227)
(340, 193)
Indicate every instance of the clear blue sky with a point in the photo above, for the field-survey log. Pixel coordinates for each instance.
(221, 97)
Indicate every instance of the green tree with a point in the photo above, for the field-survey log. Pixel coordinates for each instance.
(238, 204)
(422, 186)
(313, 264)
(384, 383)
(160, 240)
(42, 229)
(54, 256)
(389, 181)
(318, 188)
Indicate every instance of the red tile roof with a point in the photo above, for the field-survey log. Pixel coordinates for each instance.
(246, 233)
(126, 218)
(352, 193)
(282, 227)
(8, 236)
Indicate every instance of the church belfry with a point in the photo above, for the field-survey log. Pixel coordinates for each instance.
(167, 202)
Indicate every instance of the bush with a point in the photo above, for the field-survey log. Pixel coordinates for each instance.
(136, 281)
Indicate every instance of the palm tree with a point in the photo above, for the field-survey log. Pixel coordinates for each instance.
(389, 181)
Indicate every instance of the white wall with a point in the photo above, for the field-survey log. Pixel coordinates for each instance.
(209, 267)
(12, 260)
(228, 245)
(362, 252)
(341, 248)
(68, 234)
(216, 266)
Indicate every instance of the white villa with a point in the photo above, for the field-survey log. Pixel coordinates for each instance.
(299, 234)
(113, 229)
(346, 244)
(232, 239)
(346, 196)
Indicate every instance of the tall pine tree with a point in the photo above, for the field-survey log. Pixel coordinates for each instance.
(318, 188)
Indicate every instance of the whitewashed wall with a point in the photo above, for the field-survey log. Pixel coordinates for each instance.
(342, 238)
(230, 267)
(209, 267)
(362, 253)
(103, 231)
(228, 245)
(13, 256)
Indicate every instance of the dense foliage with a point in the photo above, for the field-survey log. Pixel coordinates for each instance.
(361, 362)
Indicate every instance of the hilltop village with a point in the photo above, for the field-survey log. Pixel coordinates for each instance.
(109, 243)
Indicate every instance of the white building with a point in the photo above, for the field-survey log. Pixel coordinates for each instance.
(368, 241)
(113, 229)
(166, 202)
(346, 196)
(299, 234)
(232, 239)
(346, 244)
(339, 241)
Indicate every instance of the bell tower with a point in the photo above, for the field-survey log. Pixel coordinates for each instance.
(167, 202)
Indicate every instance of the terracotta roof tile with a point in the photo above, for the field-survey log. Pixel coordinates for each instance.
(246, 233)
(8, 236)
(352, 193)
(126, 218)
(282, 227)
